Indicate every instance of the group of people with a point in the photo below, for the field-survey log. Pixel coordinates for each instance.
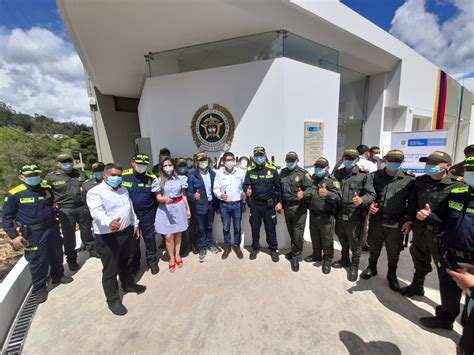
(364, 190)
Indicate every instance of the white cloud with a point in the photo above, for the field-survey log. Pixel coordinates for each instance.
(41, 73)
(449, 44)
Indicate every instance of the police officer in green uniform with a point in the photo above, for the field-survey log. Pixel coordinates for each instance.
(456, 214)
(296, 188)
(95, 179)
(357, 193)
(263, 190)
(458, 169)
(430, 189)
(388, 214)
(30, 223)
(322, 207)
(66, 183)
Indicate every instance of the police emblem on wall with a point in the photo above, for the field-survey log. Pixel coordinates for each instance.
(213, 128)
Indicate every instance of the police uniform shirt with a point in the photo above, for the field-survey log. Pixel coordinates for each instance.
(107, 204)
(355, 181)
(27, 205)
(264, 181)
(139, 189)
(67, 187)
(292, 180)
(327, 204)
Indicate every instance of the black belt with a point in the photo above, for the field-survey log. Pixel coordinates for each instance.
(231, 202)
(321, 213)
(260, 202)
(434, 229)
(292, 203)
(463, 254)
(37, 226)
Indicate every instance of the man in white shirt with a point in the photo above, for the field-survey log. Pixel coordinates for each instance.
(228, 189)
(363, 162)
(115, 225)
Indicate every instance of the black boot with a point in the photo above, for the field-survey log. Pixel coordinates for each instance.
(326, 268)
(41, 295)
(353, 273)
(435, 323)
(392, 279)
(415, 288)
(295, 265)
(370, 271)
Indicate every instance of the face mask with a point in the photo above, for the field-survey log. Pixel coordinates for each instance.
(98, 175)
(432, 170)
(182, 170)
(259, 160)
(33, 180)
(319, 172)
(230, 164)
(140, 168)
(203, 164)
(291, 166)
(66, 166)
(349, 164)
(114, 181)
(376, 157)
(168, 170)
(469, 178)
(393, 166)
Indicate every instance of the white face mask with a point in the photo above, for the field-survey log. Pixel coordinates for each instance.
(168, 170)
(203, 164)
(376, 156)
(229, 164)
(469, 178)
(140, 168)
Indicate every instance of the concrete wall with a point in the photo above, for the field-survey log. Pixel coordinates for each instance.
(270, 100)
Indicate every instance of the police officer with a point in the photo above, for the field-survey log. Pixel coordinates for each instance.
(29, 221)
(388, 213)
(458, 169)
(322, 207)
(296, 188)
(263, 190)
(66, 183)
(432, 189)
(357, 193)
(95, 179)
(137, 181)
(456, 214)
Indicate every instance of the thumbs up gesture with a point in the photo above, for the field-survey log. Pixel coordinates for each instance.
(249, 191)
(224, 196)
(197, 196)
(300, 194)
(115, 225)
(374, 208)
(357, 200)
(323, 191)
(424, 213)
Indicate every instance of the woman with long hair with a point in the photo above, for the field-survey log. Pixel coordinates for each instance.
(173, 212)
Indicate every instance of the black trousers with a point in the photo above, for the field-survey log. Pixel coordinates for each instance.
(391, 236)
(268, 215)
(147, 229)
(68, 217)
(115, 253)
(348, 232)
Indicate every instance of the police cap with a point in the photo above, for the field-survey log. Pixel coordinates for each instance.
(351, 152)
(141, 158)
(64, 157)
(28, 169)
(201, 156)
(437, 156)
(258, 150)
(291, 155)
(395, 154)
(98, 166)
(321, 162)
(469, 149)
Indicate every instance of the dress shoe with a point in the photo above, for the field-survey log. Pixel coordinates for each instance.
(41, 296)
(313, 258)
(253, 254)
(339, 264)
(73, 266)
(62, 280)
(392, 279)
(413, 290)
(238, 252)
(136, 288)
(326, 266)
(154, 268)
(368, 273)
(352, 273)
(295, 265)
(94, 254)
(435, 322)
(118, 308)
(274, 255)
(226, 252)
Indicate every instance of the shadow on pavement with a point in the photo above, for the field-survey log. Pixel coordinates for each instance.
(356, 345)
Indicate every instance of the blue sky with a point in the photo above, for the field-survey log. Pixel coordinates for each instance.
(41, 72)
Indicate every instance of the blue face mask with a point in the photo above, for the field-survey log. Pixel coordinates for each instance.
(393, 166)
(319, 172)
(33, 180)
(259, 160)
(349, 164)
(98, 175)
(182, 170)
(432, 170)
(469, 178)
(114, 181)
(291, 166)
(66, 166)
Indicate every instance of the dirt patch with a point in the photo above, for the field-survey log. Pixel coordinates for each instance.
(8, 257)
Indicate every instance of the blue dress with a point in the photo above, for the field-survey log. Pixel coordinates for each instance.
(171, 218)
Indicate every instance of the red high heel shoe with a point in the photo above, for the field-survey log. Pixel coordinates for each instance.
(172, 267)
(179, 263)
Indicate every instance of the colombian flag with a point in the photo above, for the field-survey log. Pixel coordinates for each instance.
(440, 101)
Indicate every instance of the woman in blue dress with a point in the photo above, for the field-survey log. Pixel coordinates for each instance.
(173, 212)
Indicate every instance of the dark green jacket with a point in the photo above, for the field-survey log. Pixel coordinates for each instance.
(328, 204)
(356, 181)
(67, 187)
(292, 180)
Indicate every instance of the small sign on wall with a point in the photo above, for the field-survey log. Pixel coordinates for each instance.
(313, 142)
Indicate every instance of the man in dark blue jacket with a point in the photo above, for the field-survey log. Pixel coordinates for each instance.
(200, 187)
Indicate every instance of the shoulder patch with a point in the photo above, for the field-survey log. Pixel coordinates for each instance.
(251, 168)
(153, 176)
(409, 173)
(17, 189)
(460, 190)
(336, 184)
(270, 166)
(460, 178)
(127, 172)
(308, 176)
(45, 186)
